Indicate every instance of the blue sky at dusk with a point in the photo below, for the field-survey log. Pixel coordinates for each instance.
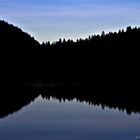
(54, 19)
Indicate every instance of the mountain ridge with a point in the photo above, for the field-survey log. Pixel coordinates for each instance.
(16, 35)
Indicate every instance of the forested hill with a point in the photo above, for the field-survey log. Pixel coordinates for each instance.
(12, 37)
(121, 40)
(111, 56)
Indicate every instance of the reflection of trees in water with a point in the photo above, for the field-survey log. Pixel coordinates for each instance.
(88, 94)
(13, 99)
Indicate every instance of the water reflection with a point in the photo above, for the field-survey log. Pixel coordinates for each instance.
(49, 119)
(13, 98)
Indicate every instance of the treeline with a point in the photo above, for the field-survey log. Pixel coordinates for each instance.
(123, 39)
(117, 40)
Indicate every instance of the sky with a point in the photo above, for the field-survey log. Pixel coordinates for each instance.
(49, 20)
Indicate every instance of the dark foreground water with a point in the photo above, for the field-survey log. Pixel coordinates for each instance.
(54, 120)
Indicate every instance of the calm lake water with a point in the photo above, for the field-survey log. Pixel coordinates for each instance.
(53, 120)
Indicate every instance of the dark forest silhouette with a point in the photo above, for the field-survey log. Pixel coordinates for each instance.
(113, 54)
(109, 63)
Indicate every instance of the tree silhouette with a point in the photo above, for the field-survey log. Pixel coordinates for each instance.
(109, 60)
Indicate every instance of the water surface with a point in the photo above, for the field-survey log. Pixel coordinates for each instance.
(50, 119)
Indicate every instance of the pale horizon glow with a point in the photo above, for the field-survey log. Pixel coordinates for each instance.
(49, 20)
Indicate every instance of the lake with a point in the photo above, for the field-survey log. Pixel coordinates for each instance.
(54, 119)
